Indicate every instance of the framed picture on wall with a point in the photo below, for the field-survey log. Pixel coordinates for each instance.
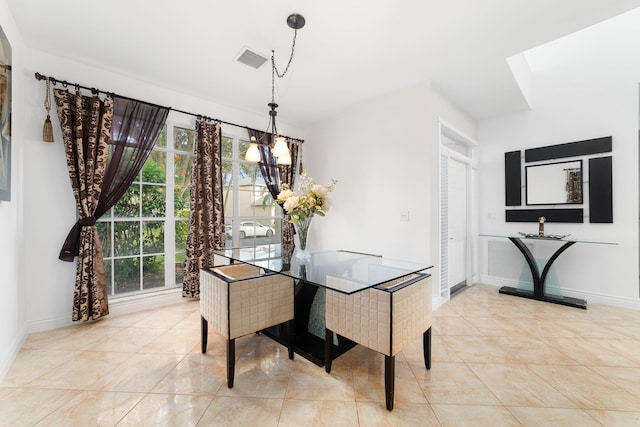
(5, 117)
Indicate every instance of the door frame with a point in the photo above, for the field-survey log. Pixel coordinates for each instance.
(447, 132)
(457, 169)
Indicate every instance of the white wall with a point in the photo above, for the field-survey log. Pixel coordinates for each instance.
(384, 154)
(576, 98)
(49, 206)
(12, 307)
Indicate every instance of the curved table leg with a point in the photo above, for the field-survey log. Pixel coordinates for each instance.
(538, 286)
(539, 279)
(551, 260)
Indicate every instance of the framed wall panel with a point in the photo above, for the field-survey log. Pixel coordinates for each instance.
(600, 190)
(551, 215)
(512, 179)
(570, 149)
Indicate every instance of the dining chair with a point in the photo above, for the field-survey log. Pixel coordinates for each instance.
(240, 299)
(385, 318)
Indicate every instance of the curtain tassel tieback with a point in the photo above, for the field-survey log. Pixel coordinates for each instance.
(87, 222)
(47, 129)
(71, 247)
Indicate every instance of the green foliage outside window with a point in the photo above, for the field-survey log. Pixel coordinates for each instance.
(127, 275)
(153, 267)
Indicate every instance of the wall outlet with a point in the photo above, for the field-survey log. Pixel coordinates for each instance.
(404, 216)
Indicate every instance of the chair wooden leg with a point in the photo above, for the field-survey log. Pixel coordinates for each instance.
(328, 340)
(290, 327)
(426, 348)
(389, 380)
(231, 361)
(204, 333)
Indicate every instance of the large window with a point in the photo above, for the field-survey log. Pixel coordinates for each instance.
(144, 235)
(253, 221)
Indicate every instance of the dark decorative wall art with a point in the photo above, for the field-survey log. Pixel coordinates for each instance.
(599, 204)
(570, 149)
(600, 197)
(5, 117)
(513, 179)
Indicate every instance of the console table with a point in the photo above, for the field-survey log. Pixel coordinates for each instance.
(539, 279)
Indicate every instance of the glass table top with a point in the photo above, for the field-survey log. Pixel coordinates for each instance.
(566, 238)
(342, 271)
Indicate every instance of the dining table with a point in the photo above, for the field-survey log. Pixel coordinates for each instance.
(343, 271)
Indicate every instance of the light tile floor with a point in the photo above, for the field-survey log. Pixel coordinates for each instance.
(497, 361)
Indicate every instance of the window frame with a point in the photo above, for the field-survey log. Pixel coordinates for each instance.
(169, 220)
(237, 159)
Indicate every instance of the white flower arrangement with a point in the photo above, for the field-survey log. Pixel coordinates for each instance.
(310, 199)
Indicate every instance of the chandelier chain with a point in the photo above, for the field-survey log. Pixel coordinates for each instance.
(274, 69)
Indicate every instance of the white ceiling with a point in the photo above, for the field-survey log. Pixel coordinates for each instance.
(347, 53)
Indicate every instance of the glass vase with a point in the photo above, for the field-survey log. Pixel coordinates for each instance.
(302, 231)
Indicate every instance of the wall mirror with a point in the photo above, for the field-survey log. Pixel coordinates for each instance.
(554, 183)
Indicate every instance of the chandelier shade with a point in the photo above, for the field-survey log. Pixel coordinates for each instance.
(252, 154)
(280, 149)
(285, 160)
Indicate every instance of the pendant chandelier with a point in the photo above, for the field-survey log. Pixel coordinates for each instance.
(279, 149)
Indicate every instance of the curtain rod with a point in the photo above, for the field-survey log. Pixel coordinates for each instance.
(96, 91)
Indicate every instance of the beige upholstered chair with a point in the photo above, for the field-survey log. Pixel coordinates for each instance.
(386, 318)
(241, 299)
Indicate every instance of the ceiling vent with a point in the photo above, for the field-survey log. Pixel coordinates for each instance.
(250, 58)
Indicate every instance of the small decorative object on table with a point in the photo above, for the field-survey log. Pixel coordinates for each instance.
(301, 206)
(541, 226)
(540, 234)
(546, 236)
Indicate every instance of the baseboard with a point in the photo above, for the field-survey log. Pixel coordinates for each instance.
(46, 324)
(496, 282)
(140, 302)
(597, 298)
(117, 306)
(8, 355)
(590, 297)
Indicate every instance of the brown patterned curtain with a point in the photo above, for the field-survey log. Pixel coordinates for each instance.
(135, 129)
(86, 128)
(100, 174)
(206, 222)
